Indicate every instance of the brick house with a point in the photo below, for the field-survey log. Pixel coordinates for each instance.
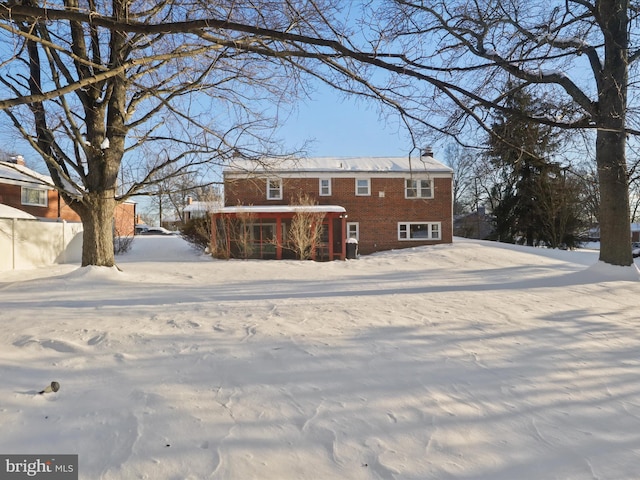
(383, 203)
(31, 192)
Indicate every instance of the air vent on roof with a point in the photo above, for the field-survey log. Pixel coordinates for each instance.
(427, 152)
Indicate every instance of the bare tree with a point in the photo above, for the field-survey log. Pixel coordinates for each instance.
(116, 100)
(444, 59)
(462, 161)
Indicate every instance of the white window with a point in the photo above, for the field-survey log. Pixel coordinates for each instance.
(274, 189)
(419, 231)
(325, 187)
(34, 196)
(353, 230)
(418, 188)
(363, 186)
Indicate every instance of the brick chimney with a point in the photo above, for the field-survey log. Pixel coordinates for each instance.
(17, 159)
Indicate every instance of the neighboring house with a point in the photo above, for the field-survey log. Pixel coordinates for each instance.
(124, 219)
(32, 192)
(383, 203)
(195, 209)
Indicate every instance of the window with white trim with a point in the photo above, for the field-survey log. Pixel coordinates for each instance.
(363, 186)
(34, 196)
(353, 230)
(325, 187)
(274, 189)
(419, 231)
(418, 188)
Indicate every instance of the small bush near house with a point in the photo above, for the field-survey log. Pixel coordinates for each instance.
(197, 232)
(122, 244)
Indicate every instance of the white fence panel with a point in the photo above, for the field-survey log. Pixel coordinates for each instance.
(32, 243)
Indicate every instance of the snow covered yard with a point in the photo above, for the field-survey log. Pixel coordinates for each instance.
(466, 361)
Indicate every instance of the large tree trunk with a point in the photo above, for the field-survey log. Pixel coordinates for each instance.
(615, 227)
(97, 214)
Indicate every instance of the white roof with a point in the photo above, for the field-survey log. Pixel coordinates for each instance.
(203, 206)
(339, 164)
(9, 212)
(15, 174)
(281, 209)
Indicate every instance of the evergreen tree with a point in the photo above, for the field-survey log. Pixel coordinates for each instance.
(534, 204)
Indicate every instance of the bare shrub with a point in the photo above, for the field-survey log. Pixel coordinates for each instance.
(197, 232)
(233, 236)
(305, 231)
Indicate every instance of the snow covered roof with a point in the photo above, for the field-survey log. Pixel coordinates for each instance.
(9, 212)
(339, 164)
(16, 174)
(281, 209)
(203, 206)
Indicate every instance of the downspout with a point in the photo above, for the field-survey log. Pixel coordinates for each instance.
(279, 237)
(330, 227)
(343, 240)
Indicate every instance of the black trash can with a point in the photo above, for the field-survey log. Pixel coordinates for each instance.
(352, 248)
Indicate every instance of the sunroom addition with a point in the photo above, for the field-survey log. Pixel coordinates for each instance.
(280, 232)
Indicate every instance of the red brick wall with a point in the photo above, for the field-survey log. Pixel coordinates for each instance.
(12, 195)
(124, 219)
(377, 216)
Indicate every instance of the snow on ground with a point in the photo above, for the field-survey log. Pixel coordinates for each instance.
(466, 361)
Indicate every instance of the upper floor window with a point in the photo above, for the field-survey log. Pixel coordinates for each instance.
(419, 231)
(325, 187)
(34, 196)
(363, 186)
(274, 189)
(418, 188)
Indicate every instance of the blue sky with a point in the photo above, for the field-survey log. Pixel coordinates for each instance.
(343, 127)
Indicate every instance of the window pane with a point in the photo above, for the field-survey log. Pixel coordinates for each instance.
(274, 189)
(33, 196)
(425, 188)
(362, 187)
(325, 186)
(419, 230)
(410, 189)
(352, 230)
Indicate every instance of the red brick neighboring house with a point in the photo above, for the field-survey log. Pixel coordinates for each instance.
(31, 192)
(384, 203)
